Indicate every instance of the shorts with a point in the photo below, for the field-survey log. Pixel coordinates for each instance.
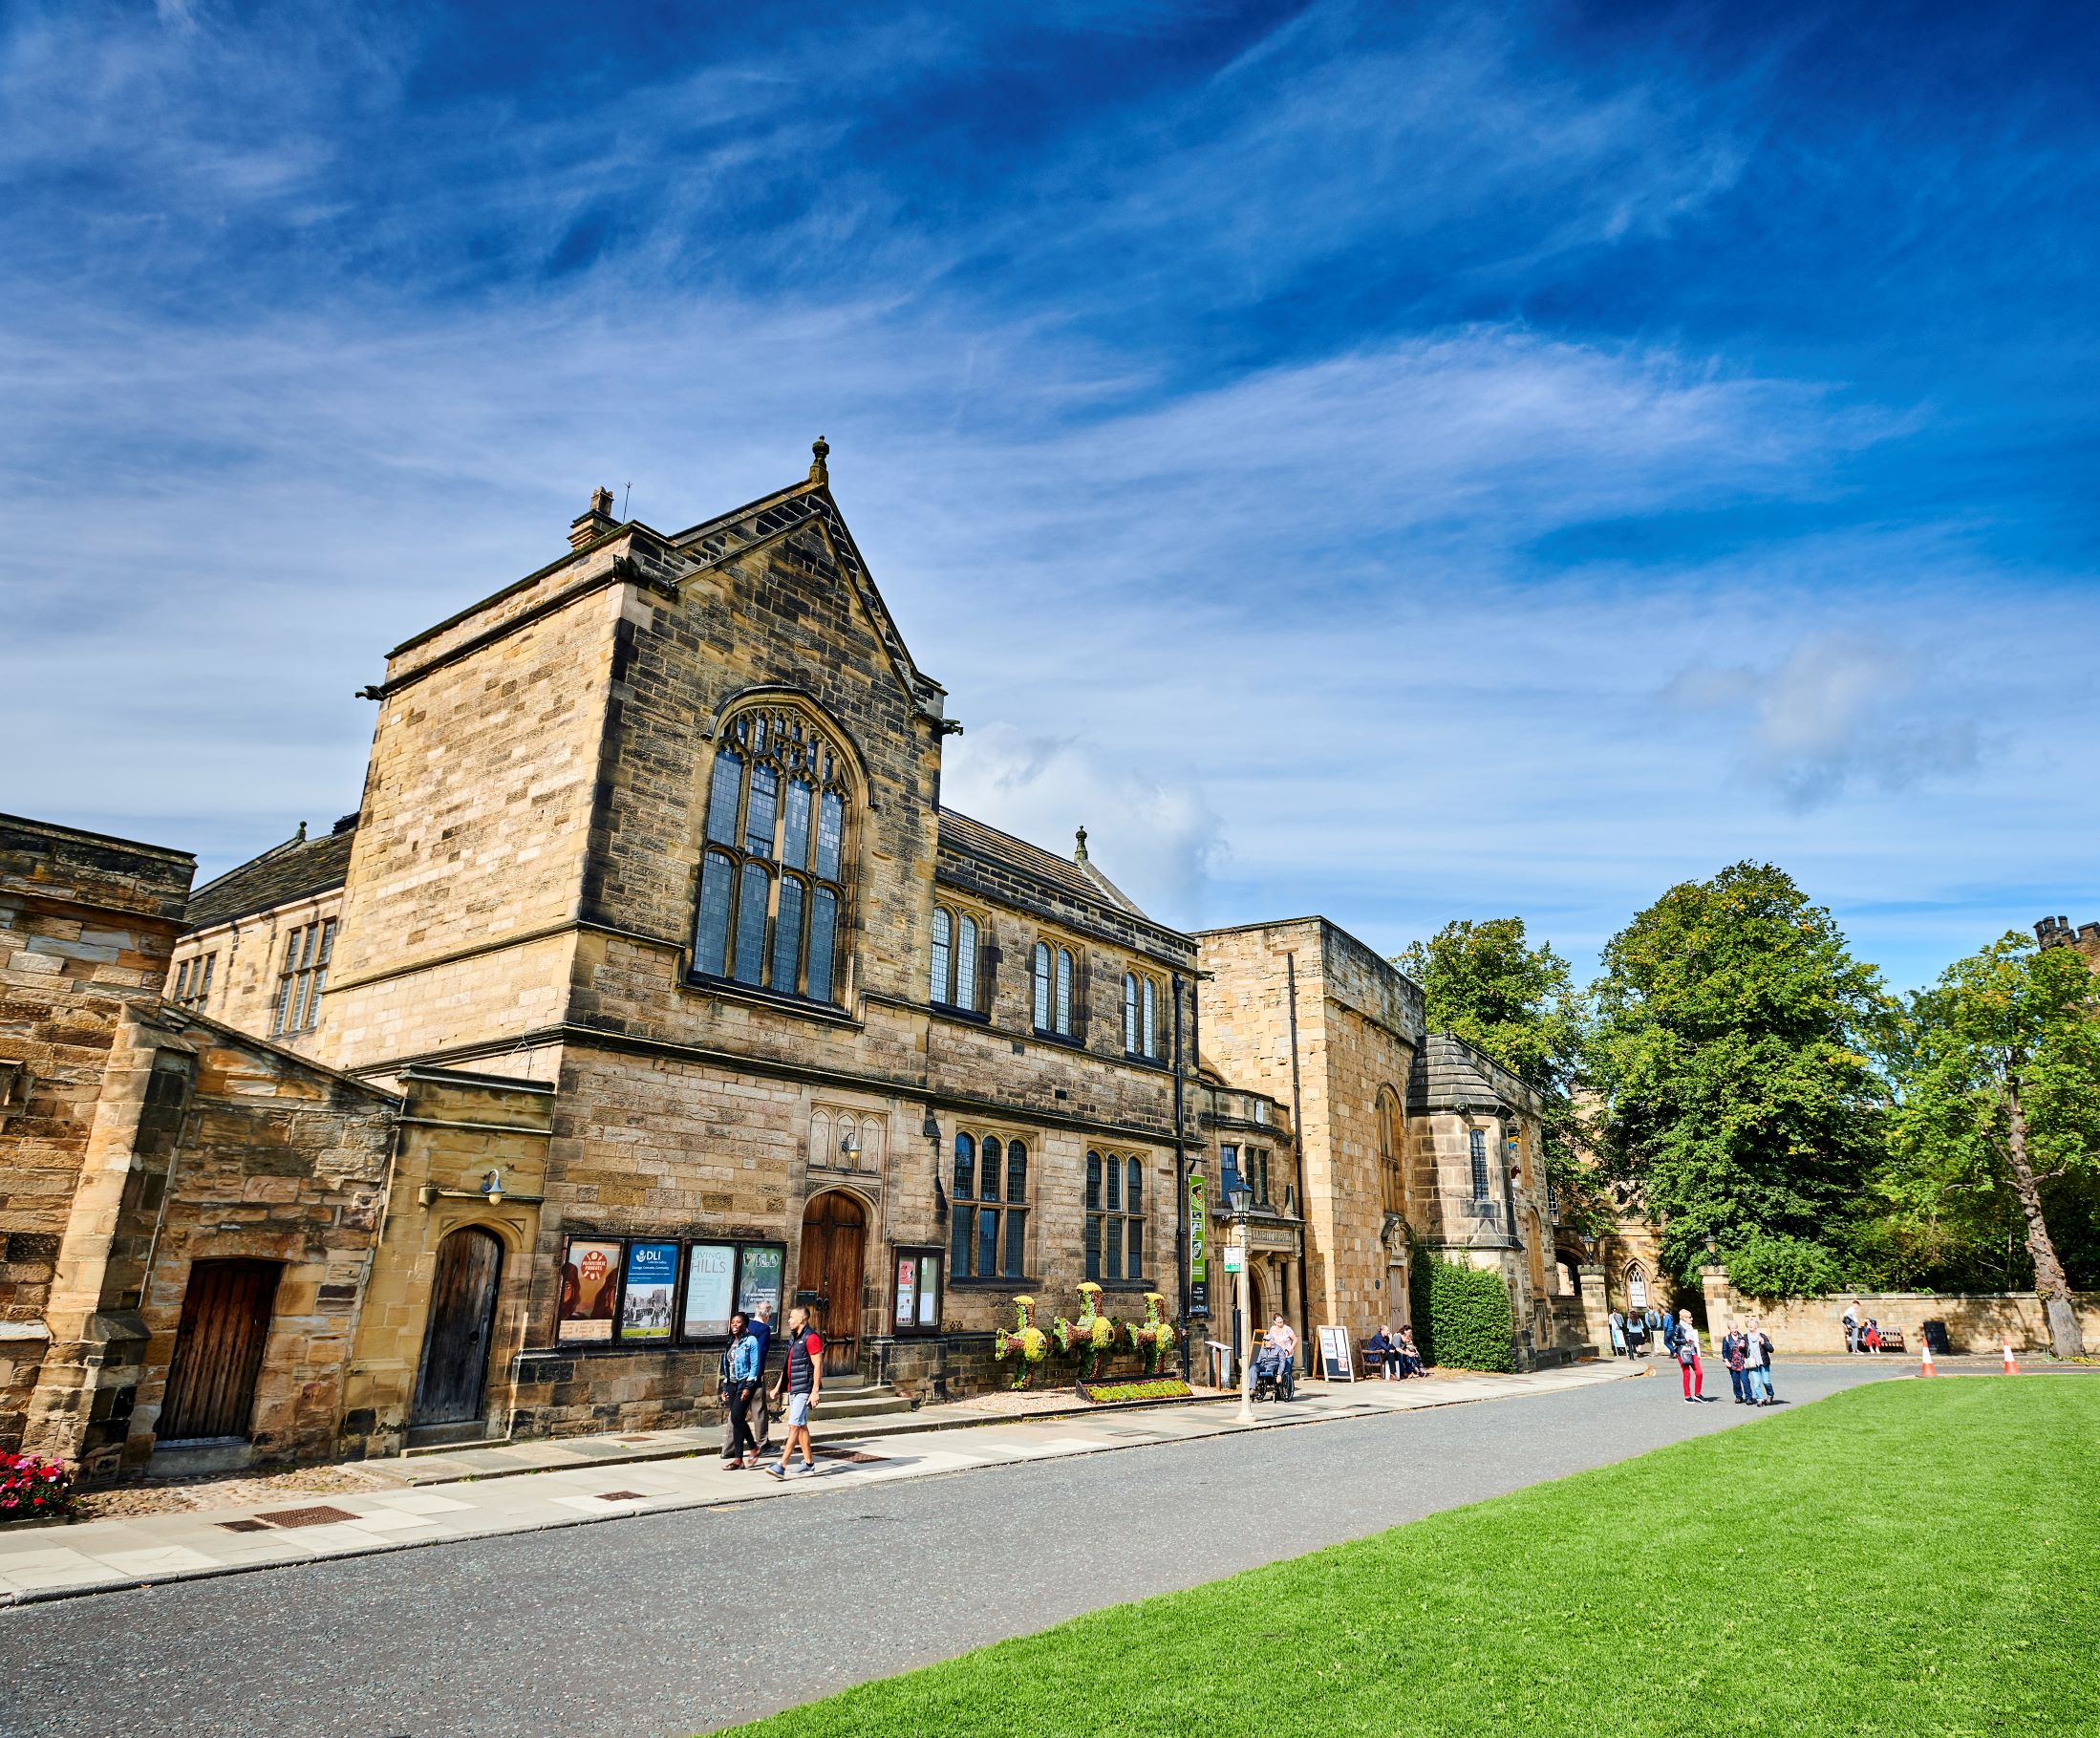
(798, 1411)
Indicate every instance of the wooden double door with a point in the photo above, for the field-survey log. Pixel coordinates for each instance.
(832, 1270)
(218, 1348)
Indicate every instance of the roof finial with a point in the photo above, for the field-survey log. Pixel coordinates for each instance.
(821, 449)
(1079, 850)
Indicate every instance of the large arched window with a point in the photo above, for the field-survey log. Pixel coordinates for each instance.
(773, 874)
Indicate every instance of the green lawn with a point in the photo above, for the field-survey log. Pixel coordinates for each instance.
(1904, 1558)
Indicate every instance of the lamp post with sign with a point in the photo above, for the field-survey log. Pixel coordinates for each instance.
(1239, 1200)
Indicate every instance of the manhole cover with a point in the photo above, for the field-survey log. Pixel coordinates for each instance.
(319, 1516)
(622, 1497)
(243, 1526)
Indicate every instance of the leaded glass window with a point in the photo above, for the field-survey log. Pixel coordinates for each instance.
(987, 1225)
(776, 805)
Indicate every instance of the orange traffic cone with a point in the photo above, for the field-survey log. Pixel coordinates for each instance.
(2012, 1363)
(1928, 1370)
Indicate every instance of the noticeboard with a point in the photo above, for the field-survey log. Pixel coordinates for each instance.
(1336, 1363)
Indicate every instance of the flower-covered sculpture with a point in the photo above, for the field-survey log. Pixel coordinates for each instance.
(1027, 1345)
(1093, 1336)
(1155, 1336)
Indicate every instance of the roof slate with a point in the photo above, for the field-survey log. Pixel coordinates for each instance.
(1447, 1076)
(959, 833)
(296, 869)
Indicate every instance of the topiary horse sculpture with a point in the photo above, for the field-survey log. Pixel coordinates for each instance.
(1093, 1336)
(1027, 1345)
(1155, 1336)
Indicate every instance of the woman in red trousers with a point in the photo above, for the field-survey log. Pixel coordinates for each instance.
(1687, 1358)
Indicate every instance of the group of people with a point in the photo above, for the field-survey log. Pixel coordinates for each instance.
(1861, 1335)
(1393, 1355)
(747, 1404)
(1747, 1349)
(1636, 1333)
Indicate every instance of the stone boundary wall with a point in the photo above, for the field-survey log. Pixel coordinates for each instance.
(1977, 1321)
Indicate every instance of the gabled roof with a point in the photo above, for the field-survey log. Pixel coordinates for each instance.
(1075, 879)
(1449, 1074)
(296, 869)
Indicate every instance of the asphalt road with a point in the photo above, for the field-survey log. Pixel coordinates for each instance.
(677, 1623)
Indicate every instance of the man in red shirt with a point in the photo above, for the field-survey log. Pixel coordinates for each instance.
(801, 1378)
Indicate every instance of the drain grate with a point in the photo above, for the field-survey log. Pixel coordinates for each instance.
(243, 1526)
(623, 1497)
(851, 1455)
(319, 1516)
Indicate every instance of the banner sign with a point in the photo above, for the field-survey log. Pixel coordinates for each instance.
(1199, 1275)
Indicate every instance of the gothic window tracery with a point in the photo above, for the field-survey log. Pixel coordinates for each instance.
(773, 872)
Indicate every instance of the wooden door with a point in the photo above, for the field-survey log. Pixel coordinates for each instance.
(454, 1376)
(834, 1241)
(218, 1350)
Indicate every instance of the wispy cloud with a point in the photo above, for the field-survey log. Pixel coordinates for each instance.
(1218, 401)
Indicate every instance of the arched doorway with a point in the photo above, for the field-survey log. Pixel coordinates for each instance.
(453, 1383)
(828, 1281)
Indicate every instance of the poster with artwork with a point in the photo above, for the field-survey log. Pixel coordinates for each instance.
(590, 1282)
(759, 1281)
(710, 1284)
(652, 1279)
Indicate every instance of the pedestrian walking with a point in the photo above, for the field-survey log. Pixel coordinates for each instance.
(802, 1380)
(739, 1377)
(761, 1412)
(1733, 1347)
(1618, 1334)
(1757, 1363)
(1687, 1349)
(1656, 1321)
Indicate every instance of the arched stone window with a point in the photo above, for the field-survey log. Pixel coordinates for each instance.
(953, 979)
(1637, 1286)
(773, 874)
(1051, 973)
(1391, 1153)
(1140, 1033)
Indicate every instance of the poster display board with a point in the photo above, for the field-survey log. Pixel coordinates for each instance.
(759, 1277)
(652, 1280)
(1336, 1363)
(710, 1284)
(590, 1283)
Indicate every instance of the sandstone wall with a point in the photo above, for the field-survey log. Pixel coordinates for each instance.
(1978, 1323)
(87, 925)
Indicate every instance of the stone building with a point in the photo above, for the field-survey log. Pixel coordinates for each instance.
(677, 987)
(192, 1216)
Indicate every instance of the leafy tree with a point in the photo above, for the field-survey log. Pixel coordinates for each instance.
(2001, 1093)
(1729, 1052)
(1766, 1266)
(1486, 983)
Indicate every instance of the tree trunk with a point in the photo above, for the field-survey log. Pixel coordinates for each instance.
(2049, 1283)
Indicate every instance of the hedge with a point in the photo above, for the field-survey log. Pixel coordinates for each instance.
(1461, 1316)
(1772, 1265)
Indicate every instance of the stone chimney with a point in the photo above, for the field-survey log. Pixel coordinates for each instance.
(596, 523)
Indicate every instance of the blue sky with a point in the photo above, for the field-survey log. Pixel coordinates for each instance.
(1398, 461)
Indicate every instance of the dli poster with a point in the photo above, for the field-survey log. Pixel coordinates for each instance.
(651, 1277)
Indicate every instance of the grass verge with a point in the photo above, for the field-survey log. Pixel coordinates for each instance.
(1903, 1559)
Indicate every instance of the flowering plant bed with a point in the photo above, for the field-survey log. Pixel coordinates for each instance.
(1146, 1387)
(34, 1490)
